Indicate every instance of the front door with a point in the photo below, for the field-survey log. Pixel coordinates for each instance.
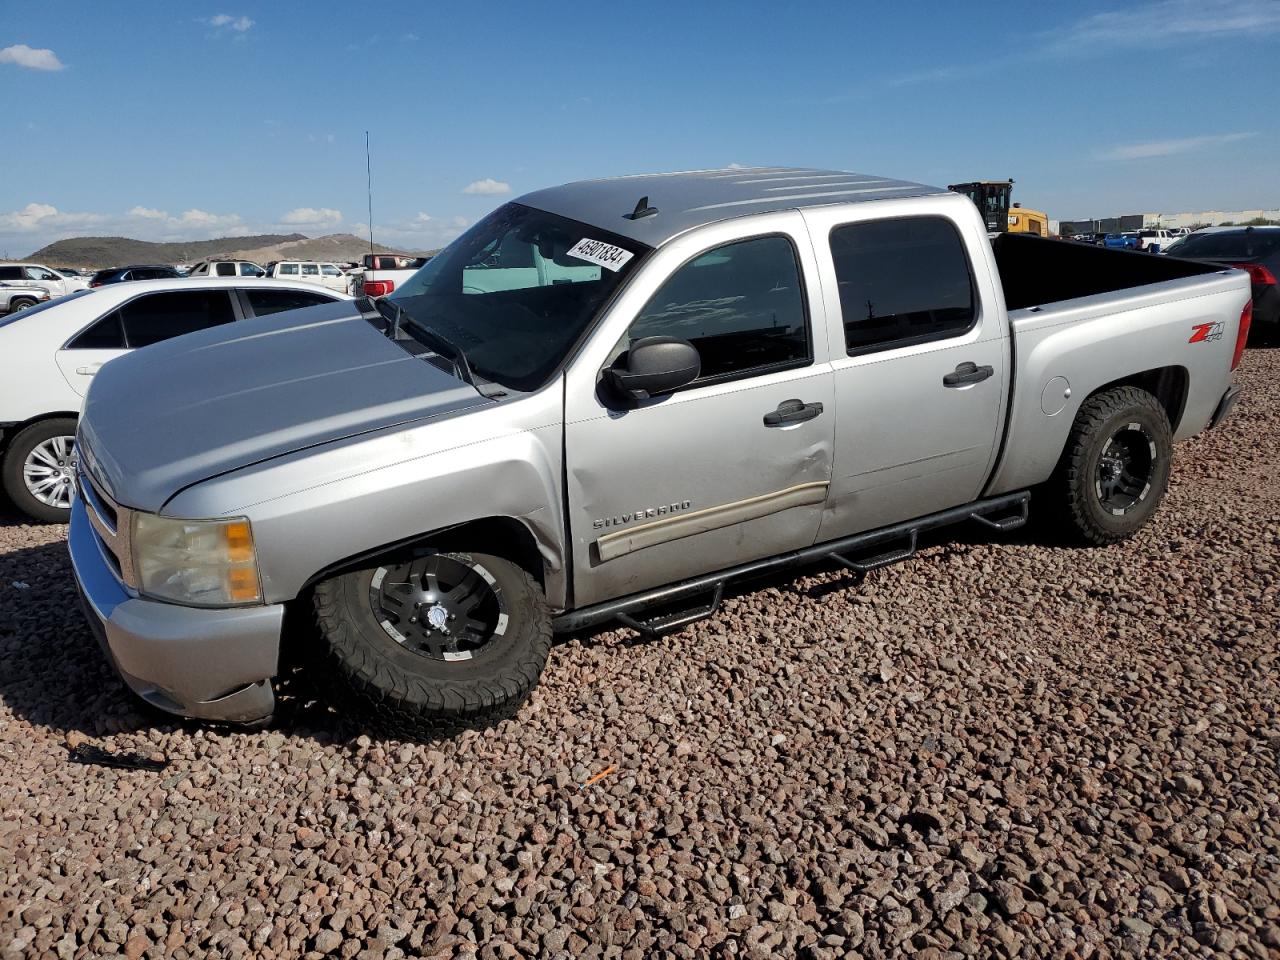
(922, 384)
(733, 467)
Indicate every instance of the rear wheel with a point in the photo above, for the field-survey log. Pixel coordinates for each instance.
(1115, 469)
(432, 641)
(39, 469)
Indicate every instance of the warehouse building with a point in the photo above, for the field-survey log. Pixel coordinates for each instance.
(1143, 221)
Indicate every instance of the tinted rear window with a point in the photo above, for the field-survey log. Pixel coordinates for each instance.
(264, 302)
(159, 316)
(1230, 246)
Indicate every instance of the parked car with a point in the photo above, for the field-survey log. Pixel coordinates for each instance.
(129, 274)
(52, 352)
(71, 273)
(1155, 240)
(16, 297)
(745, 374)
(38, 275)
(326, 274)
(226, 268)
(1256, 251)
(381, 273)
(1120, 241)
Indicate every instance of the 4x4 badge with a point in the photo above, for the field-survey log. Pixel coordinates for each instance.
(1206, 332)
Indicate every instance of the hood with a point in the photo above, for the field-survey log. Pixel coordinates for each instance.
(164, 417)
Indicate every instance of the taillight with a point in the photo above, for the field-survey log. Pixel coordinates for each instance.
(1257, 273)
(378, 288)
(1242, 335)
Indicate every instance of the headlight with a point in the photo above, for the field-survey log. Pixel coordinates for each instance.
(201, 563)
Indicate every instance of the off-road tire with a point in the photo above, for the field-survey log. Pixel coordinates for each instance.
(1071, 492)
(367, 674)
(14, 457)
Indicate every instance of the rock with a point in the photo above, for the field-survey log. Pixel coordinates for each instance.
(1008, 898)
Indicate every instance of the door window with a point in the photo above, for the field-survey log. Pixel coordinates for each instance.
(329, 270)
(741, 306)
(264, 302)
(250, 270)
(310, 270)
(288, 269)
(105, 334)
(226, 270)
(901, 282)
(159, 316)
(39, 273)
(11, 273)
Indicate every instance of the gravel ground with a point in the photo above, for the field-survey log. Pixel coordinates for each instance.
(1000, 748)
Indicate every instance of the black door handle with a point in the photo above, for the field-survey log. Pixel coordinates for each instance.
(966, 374)
(792, 411)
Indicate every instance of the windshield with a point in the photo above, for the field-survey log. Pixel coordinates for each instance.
(1244, 245)
(518, 290)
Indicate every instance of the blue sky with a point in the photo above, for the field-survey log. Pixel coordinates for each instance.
(183, 121)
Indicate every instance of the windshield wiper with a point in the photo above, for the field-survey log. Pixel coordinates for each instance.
(400, 318)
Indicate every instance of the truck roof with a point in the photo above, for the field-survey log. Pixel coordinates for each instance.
(693, 198)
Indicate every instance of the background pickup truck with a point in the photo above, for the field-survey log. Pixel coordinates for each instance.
(19, 296)
(384, 272)
(602, 403)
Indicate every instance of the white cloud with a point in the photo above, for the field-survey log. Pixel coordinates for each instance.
(44, 216)
(148, 213)
(423, 218)
(1166, 22)
(487, 187)
(30, 57)
(1169, 148)
(226, 20)
(312, 217)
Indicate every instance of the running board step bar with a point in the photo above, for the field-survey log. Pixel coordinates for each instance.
(663, 609)
(657, 623)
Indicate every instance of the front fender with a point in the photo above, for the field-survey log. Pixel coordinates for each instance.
(313, 509)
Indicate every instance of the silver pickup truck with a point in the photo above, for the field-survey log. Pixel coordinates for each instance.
(600, 404)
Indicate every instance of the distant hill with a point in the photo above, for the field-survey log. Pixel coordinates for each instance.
(101, 252)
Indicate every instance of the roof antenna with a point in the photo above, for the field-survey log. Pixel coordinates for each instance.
(642, 210)
(368, 175)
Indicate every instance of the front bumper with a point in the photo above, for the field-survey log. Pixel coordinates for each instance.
(207, 664)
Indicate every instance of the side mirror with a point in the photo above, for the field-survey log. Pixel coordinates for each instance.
(654, 366)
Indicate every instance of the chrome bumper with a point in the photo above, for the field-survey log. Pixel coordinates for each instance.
(208, 664)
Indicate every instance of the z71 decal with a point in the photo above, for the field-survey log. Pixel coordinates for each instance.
(1206, 332)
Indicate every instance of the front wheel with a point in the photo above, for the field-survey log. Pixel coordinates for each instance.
(431, 641)
(20, 303)
(39, 469)
(1115, 468)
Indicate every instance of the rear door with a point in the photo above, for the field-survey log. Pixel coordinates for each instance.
(920, 360)
(142, 321)
(710, 476)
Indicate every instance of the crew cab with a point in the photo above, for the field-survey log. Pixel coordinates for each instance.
(602, 403)
(307, 271)
(383, 272)
(38, 275)
(226, 268)
(1155, 240)
(52, 352)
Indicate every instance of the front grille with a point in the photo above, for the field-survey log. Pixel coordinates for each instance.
(110, 523)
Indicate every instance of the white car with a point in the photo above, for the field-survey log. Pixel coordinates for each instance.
(226, 268)
(383, 272)
(326, 274)
(52, 351)
(38, 275)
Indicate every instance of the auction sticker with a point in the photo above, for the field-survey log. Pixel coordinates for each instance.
(600, 253)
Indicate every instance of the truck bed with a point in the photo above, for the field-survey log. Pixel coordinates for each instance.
(1035, 271)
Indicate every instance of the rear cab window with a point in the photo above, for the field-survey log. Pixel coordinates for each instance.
(903, 281)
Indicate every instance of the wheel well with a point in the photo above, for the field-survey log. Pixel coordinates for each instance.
(1168, 385)
(501, 536)
(13, 429)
